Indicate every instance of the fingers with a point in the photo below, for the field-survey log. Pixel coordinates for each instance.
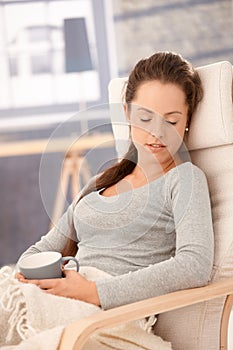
(45, 284)
(52, 287)
(52, 291)
(67, 273)
(20, 277)
(48, 285)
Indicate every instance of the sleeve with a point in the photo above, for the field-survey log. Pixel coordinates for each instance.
(192, 264)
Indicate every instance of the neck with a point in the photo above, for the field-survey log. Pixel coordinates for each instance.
(152, 170)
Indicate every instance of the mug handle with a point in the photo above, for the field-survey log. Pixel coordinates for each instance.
(68, 258)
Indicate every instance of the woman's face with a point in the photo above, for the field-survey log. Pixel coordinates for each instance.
(158, 118)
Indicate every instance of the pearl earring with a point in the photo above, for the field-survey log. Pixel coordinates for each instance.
(186, 129)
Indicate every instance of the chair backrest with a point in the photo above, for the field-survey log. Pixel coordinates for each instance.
(210, 144)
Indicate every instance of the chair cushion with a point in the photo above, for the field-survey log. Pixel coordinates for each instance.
(212, 123)
(119, 123)
(194, 327)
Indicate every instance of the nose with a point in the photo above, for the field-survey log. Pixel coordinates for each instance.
(157, 127)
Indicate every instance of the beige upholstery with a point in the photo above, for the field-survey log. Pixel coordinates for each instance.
(210, 142)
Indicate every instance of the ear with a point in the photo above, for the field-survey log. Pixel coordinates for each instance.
(127, 113)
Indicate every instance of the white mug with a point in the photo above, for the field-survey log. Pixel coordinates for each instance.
(44, 265)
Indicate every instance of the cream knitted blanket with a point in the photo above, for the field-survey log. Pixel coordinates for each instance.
(31, 319)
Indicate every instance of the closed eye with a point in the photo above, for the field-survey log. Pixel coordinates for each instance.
(145, 120)
(172, 123)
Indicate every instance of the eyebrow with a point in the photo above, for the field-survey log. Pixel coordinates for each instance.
(166, 114)
(173, 112)
(146, 110)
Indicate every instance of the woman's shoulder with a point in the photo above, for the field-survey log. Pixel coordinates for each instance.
(187, 173)
(187, 182)
(190, 167)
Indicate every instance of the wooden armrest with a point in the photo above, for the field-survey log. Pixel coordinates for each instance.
(76, 334)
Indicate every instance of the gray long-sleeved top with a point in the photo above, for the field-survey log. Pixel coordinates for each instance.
(154, 239)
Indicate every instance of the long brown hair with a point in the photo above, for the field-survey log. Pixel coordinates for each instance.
(167, 67)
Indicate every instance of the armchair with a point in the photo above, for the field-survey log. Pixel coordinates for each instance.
(194, 319)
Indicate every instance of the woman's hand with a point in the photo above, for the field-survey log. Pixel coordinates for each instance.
(73, 285)
(20, 277)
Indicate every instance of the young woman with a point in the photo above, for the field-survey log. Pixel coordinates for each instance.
(147, 219)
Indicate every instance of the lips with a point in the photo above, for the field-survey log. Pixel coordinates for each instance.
(155, 147)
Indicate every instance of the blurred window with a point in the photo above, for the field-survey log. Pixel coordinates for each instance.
(33, 53)
(13, 66)
(41, 64)
(41, 33)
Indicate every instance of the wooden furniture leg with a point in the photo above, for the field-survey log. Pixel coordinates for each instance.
(225, 322)
(73, 166)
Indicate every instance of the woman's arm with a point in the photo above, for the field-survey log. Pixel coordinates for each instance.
(73, 285)
(192, 264)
